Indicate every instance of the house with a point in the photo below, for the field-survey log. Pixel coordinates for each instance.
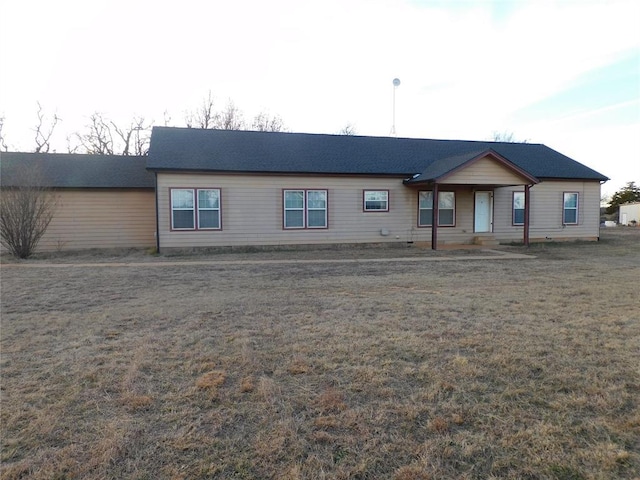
(629, 214)
(102, 201)
(221, 188)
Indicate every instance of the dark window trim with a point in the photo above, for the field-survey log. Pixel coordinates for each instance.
(440, 208)
(196, 219)
(513, 209)
(364, 200)
(305, 209)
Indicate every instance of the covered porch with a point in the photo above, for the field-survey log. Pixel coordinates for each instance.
(459, 192)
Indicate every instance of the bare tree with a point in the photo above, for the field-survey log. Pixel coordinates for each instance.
(263, 122)
(166, 118)
(3, 140)
(135, 138)
(506, 136)
(42, 132)
(204, 116)
(230, 118)
(105, 137)
(26, 210)
(348, 129)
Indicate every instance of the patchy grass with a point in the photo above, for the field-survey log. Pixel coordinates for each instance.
(404, 370)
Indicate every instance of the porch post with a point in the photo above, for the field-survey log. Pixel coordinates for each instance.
(434, 221)
(526, 214)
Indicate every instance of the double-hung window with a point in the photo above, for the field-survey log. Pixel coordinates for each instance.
(446, 209)
(195, 209)
(518, 208)
(570, 208)
(208, 208)
(305, 208)
(376, 200)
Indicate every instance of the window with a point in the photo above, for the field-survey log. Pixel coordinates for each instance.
(446, 209)
(570, 209)
(182, 211)
(208, 209)
(316, 209)
(376, 200)
(518, 208)
(191, 207)
(305, 209)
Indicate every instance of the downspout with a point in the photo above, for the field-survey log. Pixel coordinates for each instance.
(157, 215)
(527, 203)
(434, 220)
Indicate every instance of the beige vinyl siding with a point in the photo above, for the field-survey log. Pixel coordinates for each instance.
(485, 171)
(252, 211)
(546, 211)
(95, 218)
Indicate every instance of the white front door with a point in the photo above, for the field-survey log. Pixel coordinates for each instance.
(483, 212)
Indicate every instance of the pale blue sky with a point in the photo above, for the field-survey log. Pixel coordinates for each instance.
(563, 73)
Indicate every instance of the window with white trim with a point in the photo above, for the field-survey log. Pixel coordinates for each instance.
(570, 208)
(195, 209)
(305, 208)
(446, 209)
(518, 208)
(376, 200)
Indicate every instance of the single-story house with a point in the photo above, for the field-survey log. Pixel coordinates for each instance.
(629, 214)
(102, 201)
(220, 188)
(227, 188)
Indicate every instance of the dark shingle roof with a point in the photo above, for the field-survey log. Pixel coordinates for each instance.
(268, 152)
(70, 170)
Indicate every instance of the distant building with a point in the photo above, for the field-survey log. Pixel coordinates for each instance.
(629, 214)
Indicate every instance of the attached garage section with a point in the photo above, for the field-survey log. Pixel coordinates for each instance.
(107, 218)
(102, 201)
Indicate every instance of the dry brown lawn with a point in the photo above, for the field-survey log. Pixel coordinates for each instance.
(468, 369)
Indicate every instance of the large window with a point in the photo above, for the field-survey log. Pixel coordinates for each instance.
(518, 208)
(376, 200)
(446, 209)
(570, 208)
(195, 209)
(305, 209)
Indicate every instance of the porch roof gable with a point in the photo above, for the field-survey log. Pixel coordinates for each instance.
(446, 169)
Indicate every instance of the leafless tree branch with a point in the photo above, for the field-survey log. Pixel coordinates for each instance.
(105, 137)
(204, 116)
(263, 122)
(348, 129)
(230, 118)
(42, 134)
(3, 140)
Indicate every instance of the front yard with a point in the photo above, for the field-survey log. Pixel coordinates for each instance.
(488, 368)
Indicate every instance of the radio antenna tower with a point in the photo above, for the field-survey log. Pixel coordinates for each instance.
(396, 83)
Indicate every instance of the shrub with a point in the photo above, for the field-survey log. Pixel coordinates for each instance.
(25, 213)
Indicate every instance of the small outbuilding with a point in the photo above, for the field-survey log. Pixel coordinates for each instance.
(629, 214)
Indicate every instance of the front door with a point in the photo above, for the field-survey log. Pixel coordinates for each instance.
(483, 212)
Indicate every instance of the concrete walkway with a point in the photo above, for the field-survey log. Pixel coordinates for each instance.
(493, 255)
